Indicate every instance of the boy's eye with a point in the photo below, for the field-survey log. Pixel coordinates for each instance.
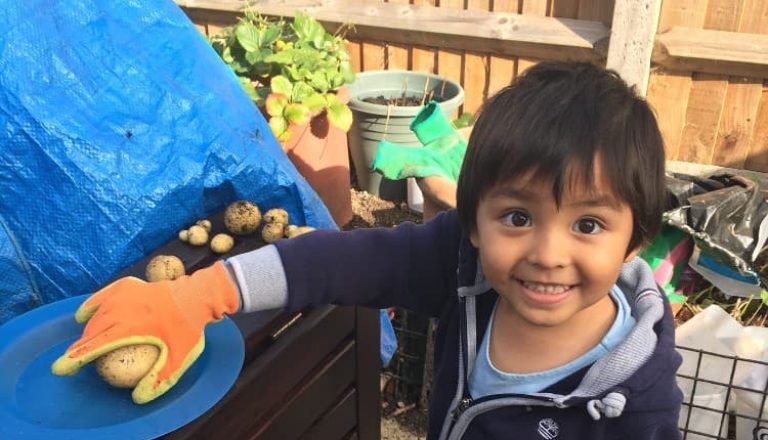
(518, 219)
(588, 226)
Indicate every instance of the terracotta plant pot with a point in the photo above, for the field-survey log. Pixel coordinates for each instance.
(320, 153)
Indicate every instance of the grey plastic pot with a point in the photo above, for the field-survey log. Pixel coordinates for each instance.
(375, 122)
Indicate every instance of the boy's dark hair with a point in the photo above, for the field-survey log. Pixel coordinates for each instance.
(564, 114)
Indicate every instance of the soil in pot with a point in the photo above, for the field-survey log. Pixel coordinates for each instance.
(402, 101)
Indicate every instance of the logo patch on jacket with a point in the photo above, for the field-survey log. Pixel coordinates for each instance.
(548, 429)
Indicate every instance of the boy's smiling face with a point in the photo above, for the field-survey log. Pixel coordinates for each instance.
(551, 263)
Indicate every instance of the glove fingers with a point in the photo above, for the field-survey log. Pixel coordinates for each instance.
(165, 374)
(89, 307)
(82, 352)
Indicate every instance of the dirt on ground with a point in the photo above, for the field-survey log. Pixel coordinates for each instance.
(399, 421)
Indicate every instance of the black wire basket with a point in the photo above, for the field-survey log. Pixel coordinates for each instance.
(723, 396)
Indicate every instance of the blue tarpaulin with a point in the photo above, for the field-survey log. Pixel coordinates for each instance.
(119, 125)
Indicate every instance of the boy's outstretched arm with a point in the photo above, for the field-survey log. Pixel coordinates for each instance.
(411, 266)
(397, 266)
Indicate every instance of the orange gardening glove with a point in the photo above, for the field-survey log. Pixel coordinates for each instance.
(168, 314)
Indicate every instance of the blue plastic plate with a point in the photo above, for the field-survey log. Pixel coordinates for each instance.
(35, 404)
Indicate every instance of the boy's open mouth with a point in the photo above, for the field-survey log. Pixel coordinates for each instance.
(545, 288)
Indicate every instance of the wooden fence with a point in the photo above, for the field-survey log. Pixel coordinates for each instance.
(708, 71)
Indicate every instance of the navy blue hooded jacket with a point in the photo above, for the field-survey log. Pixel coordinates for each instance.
(629, 394)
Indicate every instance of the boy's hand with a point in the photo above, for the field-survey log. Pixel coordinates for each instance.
(168, 314)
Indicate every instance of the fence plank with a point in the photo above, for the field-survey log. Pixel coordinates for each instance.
(502, 68)
(476, 73)
(668, 95)
(744, 95)
(668, 92)
(398, 55)
(524, 63)
(723, 15)
(758, 148)
(755, 19)
(512, 6)
(713, 51)
(564, 8)
(535, 7)
(596, 10)
(356, 55)
(736, 123)
(705, 104)
(450, 63)
(689, 13)
(476, 68)
(502, 73)
(374, 57)
(447, 26)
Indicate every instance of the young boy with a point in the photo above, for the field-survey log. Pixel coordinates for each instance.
(550, 327)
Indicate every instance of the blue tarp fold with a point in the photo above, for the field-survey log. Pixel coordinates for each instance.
(119, 125)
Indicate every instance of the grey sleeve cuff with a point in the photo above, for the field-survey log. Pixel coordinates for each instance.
(261, 279)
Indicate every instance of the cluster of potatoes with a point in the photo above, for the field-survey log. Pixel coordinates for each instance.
(124, 367)
(197, 235)
(244, 218)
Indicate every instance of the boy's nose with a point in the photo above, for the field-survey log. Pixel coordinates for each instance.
(549, 252)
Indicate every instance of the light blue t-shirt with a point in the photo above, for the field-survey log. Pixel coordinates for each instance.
(485, 379)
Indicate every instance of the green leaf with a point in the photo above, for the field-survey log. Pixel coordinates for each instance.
(297, 114)
(764, 296)
(249, 88)
(302, 91)
(271, 34)
(281, 84)
(463, 121)
(349, 72)
(276, 104)
(279, 127)
(316, 102)
(285, 56)
(319, 81)
(253, 57)
(248, 37)
(339, 114)
(309, 29)
(226, 55)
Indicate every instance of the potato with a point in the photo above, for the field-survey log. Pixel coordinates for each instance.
(164, 267)
(272, 232)
(125, 366)
(276, 215)
(292, 231)
(205, 223)
(198, 235)
(222, 243)
(242, 217)
(184, 235)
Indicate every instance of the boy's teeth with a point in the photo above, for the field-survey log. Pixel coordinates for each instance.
(545, 288)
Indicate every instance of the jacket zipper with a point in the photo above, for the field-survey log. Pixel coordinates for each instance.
(461, 407)
(468, 402)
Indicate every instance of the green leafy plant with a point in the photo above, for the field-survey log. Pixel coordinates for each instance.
(291, 69)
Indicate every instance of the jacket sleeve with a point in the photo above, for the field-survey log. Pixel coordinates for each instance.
(411, 266)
